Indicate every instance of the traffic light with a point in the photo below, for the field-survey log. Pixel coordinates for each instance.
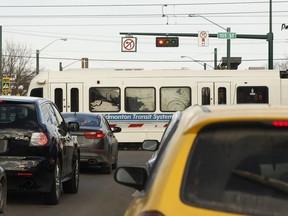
(167, 41)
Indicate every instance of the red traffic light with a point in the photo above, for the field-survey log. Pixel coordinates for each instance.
(167, 41)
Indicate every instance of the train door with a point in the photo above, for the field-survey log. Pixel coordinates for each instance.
(213, 93)
(67, 96)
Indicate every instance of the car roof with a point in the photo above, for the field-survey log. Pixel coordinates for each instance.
(200, 115)
(22, 98)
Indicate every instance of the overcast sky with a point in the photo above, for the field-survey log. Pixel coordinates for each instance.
(92, 30)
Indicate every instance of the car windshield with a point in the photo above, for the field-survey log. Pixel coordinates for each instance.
(240, 168)
(83, 120)
(17, 115)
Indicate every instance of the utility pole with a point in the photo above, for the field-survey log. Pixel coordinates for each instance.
(215, 58)
(270, 37)
(60, 66)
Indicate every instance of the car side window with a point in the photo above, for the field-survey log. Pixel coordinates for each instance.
(106, 124)
(60, 120)
(48, 114)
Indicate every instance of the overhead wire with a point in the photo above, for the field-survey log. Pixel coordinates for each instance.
(140, 5)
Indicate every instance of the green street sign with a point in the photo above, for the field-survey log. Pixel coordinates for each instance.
(226, 35)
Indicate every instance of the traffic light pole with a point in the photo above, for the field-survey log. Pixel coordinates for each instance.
(37, 61)
(268, 37)
(228, 50)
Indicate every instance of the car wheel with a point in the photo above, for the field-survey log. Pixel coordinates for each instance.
(3, 196)
(107, 169)
(53, 197)
(72, 185)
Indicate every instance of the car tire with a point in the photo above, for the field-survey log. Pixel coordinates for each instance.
(107, 169)
(53, 197)
(71, 186)
(3, 196)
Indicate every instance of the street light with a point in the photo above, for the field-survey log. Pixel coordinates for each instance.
(199, 62)
(38, 52)
(228, 29)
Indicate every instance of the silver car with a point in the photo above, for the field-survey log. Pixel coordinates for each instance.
(98, 144)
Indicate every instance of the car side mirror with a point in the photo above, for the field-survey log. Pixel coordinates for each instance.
(73, 126)
(134, 177)
(150, 145)
(116, 129)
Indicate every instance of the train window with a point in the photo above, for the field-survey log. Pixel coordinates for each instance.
(206, 96)
(252, 94)
(104, 99)
(37, 92)
(222, 95)
(58, 92)
(174, 98)
(140, 99)
(74, 93)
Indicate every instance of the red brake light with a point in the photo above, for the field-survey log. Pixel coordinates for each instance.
(280, 123)
(38, 139)
(94, 134)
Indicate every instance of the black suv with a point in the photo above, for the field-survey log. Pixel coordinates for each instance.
(36, 148)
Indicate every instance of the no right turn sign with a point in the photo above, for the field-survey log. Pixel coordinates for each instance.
(129, 44)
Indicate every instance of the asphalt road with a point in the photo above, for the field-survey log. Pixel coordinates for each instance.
(99, 194)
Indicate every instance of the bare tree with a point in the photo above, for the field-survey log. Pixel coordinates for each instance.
(17, 64)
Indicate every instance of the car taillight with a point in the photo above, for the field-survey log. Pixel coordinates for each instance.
(280, 123)
(94, 134)
(38, 139)
(151, 213)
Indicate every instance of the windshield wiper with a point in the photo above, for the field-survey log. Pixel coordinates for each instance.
(272, 182)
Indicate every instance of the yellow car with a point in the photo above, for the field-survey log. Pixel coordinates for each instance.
(221, 160)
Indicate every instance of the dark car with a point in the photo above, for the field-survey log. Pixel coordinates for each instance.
(37, 151)
(3, 191)
(98, 144)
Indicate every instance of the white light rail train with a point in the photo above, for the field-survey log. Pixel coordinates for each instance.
(142, 102)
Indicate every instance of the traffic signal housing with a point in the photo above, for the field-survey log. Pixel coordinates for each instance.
(167, 41)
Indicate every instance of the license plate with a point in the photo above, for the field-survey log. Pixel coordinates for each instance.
(3, 146)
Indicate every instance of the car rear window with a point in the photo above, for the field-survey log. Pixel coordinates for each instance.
(83, 120)
(239, 167)
(17, 115)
